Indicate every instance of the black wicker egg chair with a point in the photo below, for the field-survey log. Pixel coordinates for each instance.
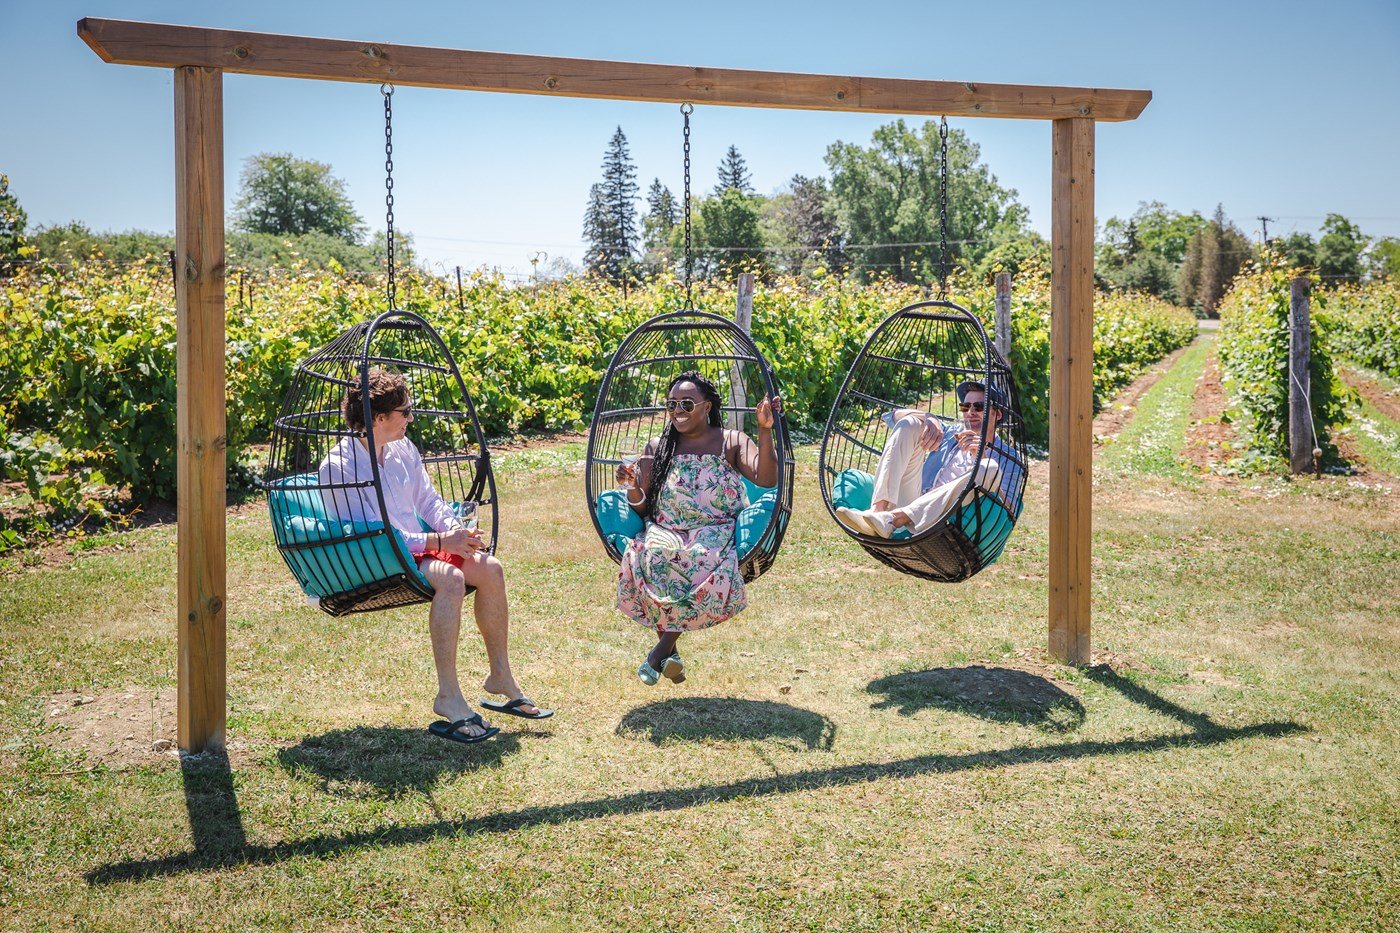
(631, 411)
(916, 359)
(347, 561)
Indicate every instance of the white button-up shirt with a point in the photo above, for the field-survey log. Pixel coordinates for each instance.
(408, 492)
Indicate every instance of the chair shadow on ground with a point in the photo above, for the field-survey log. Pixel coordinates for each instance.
(389, 761)
(694, 719)
(1000, 694)
(219, 839)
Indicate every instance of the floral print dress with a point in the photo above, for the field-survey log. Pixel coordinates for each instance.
(681, 574)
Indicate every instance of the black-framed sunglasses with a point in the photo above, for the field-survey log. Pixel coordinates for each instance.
(684, 404)
(406, 411)
(972, 406)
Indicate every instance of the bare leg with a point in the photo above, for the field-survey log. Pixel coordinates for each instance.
(493, 621)
(444, 627)
(665, 647)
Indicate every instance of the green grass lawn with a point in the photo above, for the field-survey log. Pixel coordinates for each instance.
(857, 750)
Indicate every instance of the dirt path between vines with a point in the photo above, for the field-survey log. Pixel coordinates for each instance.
(1117, 413)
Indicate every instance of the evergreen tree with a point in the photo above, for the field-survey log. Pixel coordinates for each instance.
(12, 221)
(1213, 259)
(661, 216)
(815, 231)
(733, 173)
(610, 222)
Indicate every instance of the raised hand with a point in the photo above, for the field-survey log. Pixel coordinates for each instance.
(765, 411)
(931, 434)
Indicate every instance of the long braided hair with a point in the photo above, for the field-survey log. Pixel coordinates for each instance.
(666, 449)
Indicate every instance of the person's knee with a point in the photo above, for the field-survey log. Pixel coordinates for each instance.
(452, 584)
(488, 573)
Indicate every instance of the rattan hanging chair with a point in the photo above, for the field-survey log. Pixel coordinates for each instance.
(359, 566)
(630, 412)
(916, 359)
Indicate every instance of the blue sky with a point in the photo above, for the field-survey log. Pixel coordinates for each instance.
(1286, 109)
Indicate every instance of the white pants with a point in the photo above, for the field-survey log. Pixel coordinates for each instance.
(899, 479)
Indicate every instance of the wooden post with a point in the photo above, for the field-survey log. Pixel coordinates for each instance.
(1300, 439)
(1003, 322)
(1071, 387)
(200, 413)
(743, 316)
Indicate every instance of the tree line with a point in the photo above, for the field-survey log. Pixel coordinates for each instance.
(876, 215)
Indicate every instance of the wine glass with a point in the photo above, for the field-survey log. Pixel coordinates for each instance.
(629, 454)
(466, 514)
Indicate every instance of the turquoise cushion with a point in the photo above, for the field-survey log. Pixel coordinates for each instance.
(615, 516)
(299, 517)
(853, 489)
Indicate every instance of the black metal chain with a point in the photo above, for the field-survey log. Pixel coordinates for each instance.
(387, 90)
(944, 264)
(686, 110)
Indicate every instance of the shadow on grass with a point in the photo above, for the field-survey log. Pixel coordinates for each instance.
(692, 719)
(388, 761)
(1204, 733)
(997, 693)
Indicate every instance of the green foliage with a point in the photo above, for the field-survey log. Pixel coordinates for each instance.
(314, 250)
(75, 242)
(889, 193)
(286, 196)
(87, 357)
(1254, 354)
(1367, 324)
(734, 173)
(1339, 248)
(12, 221)
(1384, 258)
(732, 232)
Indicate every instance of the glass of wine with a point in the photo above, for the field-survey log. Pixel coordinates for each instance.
(629, 454)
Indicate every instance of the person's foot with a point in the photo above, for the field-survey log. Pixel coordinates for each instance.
(855, 519)
(881, 523)
(510, 688)
(457, 708)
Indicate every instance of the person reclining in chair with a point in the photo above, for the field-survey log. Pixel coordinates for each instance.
(925, 466)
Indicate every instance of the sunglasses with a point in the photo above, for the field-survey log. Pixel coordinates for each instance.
(972, 406)
(406, 411)
(684, 404)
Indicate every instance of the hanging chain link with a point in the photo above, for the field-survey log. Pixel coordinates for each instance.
(387, 90)
(686, 111)
(944, 265)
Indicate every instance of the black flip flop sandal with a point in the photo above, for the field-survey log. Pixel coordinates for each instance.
(448, 730)
(512, 708)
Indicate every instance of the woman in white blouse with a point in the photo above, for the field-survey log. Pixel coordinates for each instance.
(451, 556)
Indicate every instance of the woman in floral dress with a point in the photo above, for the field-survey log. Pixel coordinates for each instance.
(681, 574)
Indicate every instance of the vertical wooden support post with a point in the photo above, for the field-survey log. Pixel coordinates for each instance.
(1300, 440)
(743, 316)
(1071, 387)
(200, 418)
(1003, 308)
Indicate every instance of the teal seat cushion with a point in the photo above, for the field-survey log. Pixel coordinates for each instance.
(299, 517)
(616, 517)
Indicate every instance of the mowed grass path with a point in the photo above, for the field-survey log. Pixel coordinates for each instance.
(857, 750)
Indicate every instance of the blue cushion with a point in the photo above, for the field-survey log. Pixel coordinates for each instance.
(615, 516)
(299, 517)
(853, 489)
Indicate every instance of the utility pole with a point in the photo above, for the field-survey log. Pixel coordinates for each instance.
(1265, 222)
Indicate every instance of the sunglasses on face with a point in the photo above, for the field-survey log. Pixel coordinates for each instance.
(683, 404)
(972, 406)
(406, 411)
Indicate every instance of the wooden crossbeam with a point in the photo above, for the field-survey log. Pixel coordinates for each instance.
(165, 46)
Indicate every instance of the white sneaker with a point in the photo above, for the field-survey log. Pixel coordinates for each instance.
(855, 519)
(881, 523)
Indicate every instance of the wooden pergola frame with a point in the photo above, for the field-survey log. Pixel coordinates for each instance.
(200, 57)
